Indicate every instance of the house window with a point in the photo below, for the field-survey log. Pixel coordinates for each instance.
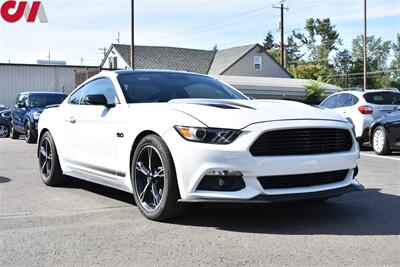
(257, 63)
(113, 62)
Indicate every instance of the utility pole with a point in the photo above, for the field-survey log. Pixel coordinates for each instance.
(118, 39)
(365, 46)
(133, 34)
(104, 51)
(49, 56)
(282, 27)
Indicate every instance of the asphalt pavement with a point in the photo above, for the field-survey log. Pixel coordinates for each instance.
(86, 224)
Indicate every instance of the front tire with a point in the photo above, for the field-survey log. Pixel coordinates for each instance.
(49, 164)
(155, 187)
(29, 137)
(380, 142)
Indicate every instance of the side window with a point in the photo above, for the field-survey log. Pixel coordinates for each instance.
(354, 100)
(345, 100)
(257, 63)
(330, 102)
(22, 99)
(76, 97)
(102, 86)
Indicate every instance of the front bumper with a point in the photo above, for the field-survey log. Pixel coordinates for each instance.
(353, 187)
(193, 161)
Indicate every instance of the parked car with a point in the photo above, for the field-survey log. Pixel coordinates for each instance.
(385, 134)
(363, 108)
(173, 138)
(27, 110)
(5, 119)
(2, 107)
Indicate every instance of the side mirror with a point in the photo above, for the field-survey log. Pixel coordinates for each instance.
(21, 105)
(97, 100)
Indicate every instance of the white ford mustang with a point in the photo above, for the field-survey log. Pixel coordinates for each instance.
(172, 138)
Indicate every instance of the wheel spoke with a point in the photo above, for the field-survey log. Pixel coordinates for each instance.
(43, 166)
(150, 154)
(159, 173)
(156, 195)
(146, 190)
(140, 167)
(43, 151)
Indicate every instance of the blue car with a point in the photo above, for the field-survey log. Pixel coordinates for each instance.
(27, 110)
(5, 119)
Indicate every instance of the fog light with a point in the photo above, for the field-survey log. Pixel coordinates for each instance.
(222, 181)
(224, 173)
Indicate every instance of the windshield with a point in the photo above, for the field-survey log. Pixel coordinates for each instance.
(43, 100)
(163, 87)
(383, 98)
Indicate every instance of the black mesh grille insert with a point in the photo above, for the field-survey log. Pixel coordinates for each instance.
(302, 142)
(302, 180)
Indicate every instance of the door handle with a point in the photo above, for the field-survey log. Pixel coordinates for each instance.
(72, 120)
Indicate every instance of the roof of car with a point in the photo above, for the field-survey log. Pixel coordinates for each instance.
(361, 93)
(119, 72)
(43, 93)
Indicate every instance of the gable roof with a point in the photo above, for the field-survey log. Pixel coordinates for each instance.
(225, 58)
(168, 58)
(185, 59)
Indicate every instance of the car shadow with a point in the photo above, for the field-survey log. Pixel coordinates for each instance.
(4, 180)
(363, 213)
(370, 212)
(100, 190)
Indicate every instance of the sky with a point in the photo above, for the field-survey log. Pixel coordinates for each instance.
(76, 30)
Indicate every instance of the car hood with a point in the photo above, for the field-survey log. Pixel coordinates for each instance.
(238, 114)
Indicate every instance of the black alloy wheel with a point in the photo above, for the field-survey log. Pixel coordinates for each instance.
(154, 182)
(49, 165)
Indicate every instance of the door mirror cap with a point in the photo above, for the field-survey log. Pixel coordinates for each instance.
(97, 100)
(21, 105)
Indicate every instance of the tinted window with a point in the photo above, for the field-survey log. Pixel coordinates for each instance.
(345, 100)
(101, 87)
(330, 102)
(75, 98)
(43, 100)
(21, 99)
(163, 87)
(383, 98)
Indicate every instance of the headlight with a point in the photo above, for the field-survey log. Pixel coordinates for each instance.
(208, 135)
(36, 116)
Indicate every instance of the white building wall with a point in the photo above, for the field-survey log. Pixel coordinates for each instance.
(17, 78)
(121, 63)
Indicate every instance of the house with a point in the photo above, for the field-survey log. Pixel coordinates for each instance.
(249, 60)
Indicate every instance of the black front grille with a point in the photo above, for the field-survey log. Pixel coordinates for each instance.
(302, 180)
(302, 142)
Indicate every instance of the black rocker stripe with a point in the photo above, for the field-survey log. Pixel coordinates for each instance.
(97, 168)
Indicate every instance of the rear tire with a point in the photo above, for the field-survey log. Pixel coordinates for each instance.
(380, 142)
(154, 183)
(49, 164)
(4, 131)
(13, 133)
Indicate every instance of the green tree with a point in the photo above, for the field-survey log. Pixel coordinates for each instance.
(395, 65)
(321, 39)
(343, 62)
(310, 71)
(378, 52)
(269, 42)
